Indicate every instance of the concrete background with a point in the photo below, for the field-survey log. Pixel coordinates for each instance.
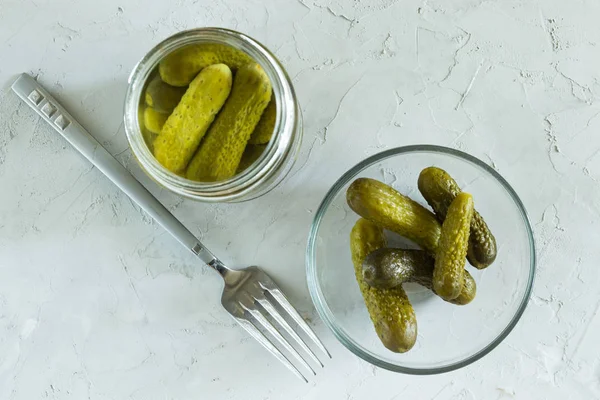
(97, 302)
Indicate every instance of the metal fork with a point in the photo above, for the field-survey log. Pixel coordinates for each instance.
(250, 295)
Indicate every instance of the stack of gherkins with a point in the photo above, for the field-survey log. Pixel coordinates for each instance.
(209, 111)
(455, 233)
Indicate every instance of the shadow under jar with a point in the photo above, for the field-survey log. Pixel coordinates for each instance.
(279, 154)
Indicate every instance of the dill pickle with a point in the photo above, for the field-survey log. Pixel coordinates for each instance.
(448, 276)
(390, 310)
(439, 189)
(220, 153)
(148, 136)
(161, 96)
(154, 120)
(266, 125)
(251, 154)
(187, 125)
(181, 66)
(383, 205)
(468, 292)
(388, 268)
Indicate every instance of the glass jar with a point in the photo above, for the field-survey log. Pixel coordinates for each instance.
(274, 163)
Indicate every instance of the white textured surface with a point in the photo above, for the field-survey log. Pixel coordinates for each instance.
(97, 302)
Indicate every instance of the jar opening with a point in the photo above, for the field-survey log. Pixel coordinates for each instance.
(283, 141)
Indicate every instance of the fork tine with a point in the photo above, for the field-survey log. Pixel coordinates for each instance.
(262, 339)
(266, 304)
(261, 319)
(283, 302)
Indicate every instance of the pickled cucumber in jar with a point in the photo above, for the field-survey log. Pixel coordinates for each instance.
(266, 125)
(181, 66)
(186, 126)
(251, 154)
(154, 120)
(162, 97)
(220, 153)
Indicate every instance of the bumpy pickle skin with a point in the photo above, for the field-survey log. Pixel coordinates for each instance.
(186, 126)
(439, 189)
(266, 125)
(448, 276)
(383, 205)
(251, 154)
(161, 96)
(154, 120)
(220, 153)
(388, 268)
(390, 310)
(181, 66)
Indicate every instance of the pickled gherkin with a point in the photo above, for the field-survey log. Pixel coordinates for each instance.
(390, 310)
(448, 276)
(220, 153)
(186, 126)
(439, 189)
(266, 125)
(388, 268)
(161, 96)
(383, 205)
(181, 66)
(154, 120)
(251, 154)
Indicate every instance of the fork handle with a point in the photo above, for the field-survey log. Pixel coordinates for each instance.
(35, 96)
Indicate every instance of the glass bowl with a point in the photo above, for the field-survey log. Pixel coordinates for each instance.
(449, 336)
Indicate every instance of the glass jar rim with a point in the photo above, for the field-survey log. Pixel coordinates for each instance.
(276, 150)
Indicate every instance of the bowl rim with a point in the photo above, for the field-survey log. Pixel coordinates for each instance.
(319, 299)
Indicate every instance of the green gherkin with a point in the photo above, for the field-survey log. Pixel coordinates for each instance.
(251, 154)
(383, 205)
(154, 120)
(448, 276)
(219, 155)
(390, 310)
(388, 268)
(181, 66)
(161, 96)
(186, 126)
(264, 130)
(439, 189)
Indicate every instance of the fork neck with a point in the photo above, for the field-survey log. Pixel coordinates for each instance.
(218, 266)
(209, 258)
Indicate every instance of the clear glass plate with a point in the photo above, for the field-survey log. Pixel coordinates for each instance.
(450, 337)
